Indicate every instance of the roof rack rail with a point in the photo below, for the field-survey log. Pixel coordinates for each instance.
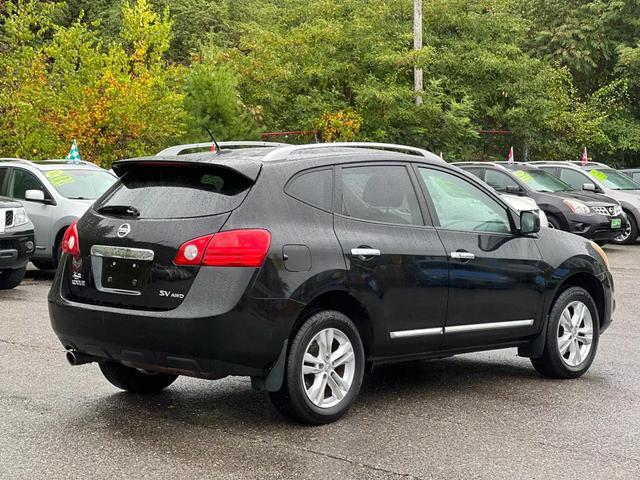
(284, 152)
(19, 160)
(179, 149)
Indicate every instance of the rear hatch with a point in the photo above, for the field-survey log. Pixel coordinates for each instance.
(129, 239)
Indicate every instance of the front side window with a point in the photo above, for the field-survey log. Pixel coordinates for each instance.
(573, 178)
(80, 184)
(462, 206)
(614, 180)
(314, 187)
(21, 181)
(500, 181)
(381, 194)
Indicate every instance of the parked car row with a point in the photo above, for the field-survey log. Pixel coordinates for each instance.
(52, 194)
(303, 266)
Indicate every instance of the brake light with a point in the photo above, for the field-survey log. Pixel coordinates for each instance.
(233, 248)
(71, 240)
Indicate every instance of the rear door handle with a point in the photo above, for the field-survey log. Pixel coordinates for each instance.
(463, 255)
(365, 252)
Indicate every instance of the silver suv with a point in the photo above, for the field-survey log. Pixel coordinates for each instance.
(601, 178)
(54, 194)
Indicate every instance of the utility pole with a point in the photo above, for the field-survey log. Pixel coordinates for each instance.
(417, 45)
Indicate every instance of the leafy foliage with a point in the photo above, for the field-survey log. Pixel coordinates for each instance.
(127, 79)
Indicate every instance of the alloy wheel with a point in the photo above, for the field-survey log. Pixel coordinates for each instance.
(624, 235)
(575, 333)
(328, 368)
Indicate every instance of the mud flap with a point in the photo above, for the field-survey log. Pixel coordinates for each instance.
(535, 348)
(274, 380)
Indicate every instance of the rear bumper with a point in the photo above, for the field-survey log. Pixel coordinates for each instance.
(243, 339)
(16, 249)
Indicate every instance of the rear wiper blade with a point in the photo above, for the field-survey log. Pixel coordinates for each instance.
(126, 210)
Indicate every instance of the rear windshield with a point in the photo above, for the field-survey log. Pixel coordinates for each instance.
(160, 192)
(81, 184)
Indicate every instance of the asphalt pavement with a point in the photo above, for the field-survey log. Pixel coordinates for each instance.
(482, 416)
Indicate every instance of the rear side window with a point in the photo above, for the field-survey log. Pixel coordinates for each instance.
(380, 193)
(178, 192)
(314, 187)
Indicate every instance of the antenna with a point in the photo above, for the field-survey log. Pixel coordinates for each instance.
(213, 140)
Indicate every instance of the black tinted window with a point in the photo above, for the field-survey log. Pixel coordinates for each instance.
(380, 193)
(177, 192)
(3, 176)
(314, 187)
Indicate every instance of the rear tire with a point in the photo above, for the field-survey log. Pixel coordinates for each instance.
(630, 235)
(572, 336)
(11, 278)
(320, 383)
(134, 380)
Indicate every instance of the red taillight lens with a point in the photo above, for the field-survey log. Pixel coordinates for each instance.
(71, 240)
(191, 252)
(234, 248)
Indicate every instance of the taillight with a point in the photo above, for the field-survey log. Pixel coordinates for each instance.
(233, 248)
(71, 240)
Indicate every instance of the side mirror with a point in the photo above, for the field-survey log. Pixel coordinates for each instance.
(34, 195)
(529, 222)
(589, 187)
(513, 189)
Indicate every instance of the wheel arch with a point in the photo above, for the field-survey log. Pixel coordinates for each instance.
(345, 303)
(590, 283)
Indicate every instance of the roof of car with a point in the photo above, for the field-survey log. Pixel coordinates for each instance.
(249, 161)
(45, 165)
(498, 165)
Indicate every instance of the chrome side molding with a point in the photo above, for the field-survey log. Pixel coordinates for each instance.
(421, 332)
(474, 327)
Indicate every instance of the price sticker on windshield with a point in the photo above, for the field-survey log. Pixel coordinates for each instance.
(524, 176)
(58, 177)
(598, 175)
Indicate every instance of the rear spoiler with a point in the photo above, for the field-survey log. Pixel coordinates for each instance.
(248, 168)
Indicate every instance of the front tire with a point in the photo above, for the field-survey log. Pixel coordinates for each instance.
(11, 278)
(572, 336)
(324, 370)
(134, 380)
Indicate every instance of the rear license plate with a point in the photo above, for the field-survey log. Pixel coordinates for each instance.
(616, 223)
(125, 274)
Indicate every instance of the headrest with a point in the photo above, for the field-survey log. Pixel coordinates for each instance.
(380, 191)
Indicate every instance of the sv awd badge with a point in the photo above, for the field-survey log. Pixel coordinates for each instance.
(166, 293)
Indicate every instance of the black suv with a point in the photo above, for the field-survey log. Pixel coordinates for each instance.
(16, 243)
(587, 214)
(302, 266)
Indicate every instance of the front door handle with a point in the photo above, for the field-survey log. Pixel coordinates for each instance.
(463, 255)
(365, 252)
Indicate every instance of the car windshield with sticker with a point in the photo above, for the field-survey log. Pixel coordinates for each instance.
(80, 184)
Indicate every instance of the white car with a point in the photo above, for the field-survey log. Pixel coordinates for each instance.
(525, 203)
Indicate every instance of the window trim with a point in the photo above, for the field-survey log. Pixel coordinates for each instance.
(311, 170)
(474, 181)
(425, 214)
